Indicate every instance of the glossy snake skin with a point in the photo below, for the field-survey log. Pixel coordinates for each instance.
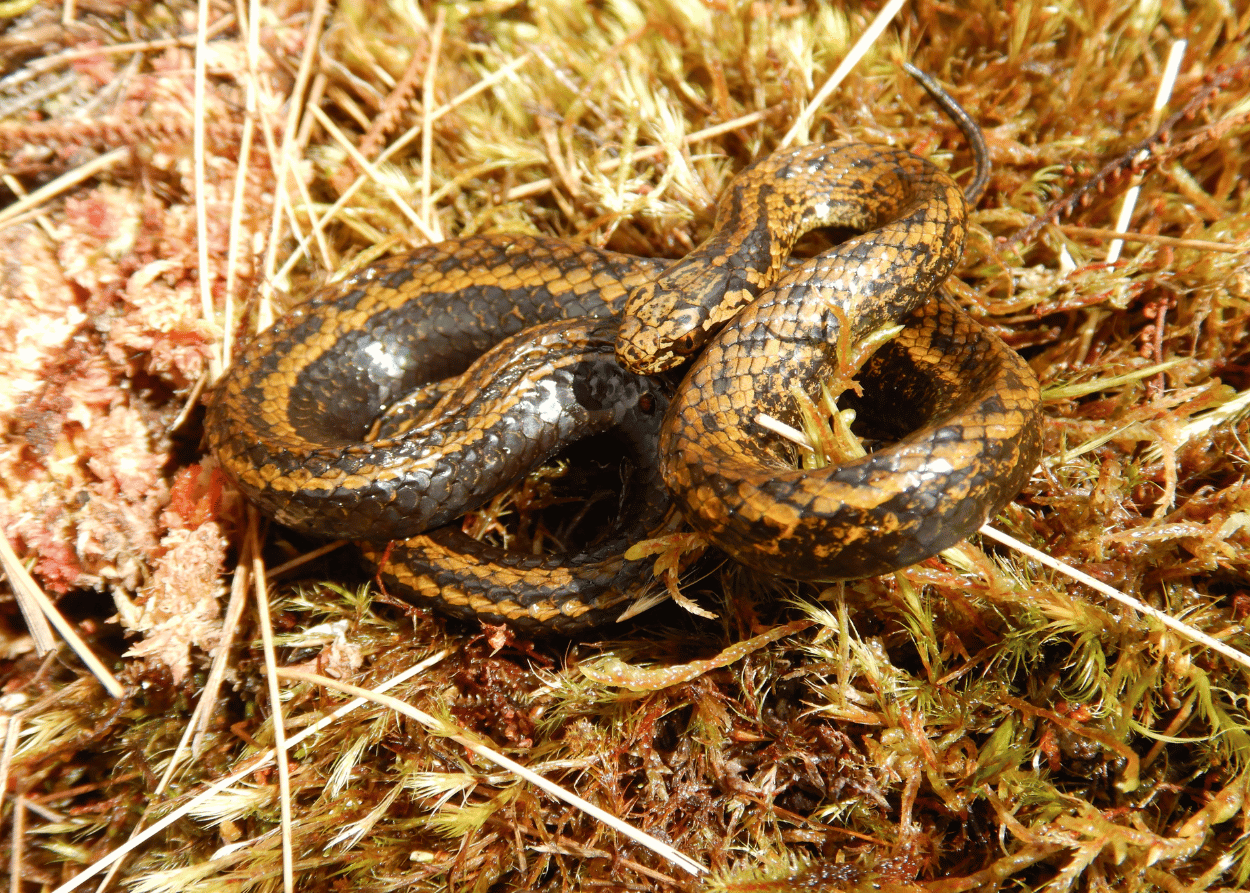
(290, 423)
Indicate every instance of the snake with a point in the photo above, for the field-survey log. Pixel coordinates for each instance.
(516, 345)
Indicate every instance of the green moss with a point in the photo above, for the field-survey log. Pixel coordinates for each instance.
(972, 722)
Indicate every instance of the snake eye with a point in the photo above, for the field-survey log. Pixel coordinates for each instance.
(685, 345)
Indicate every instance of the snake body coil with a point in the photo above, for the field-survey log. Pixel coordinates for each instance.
(977, 431)
(290, 421)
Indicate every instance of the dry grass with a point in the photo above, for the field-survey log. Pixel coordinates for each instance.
(976, 721)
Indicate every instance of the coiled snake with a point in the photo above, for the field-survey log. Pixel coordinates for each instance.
(533, 327)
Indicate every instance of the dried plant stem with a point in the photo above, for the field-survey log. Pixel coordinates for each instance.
(38, 611)
(1152, 239)
(12, 729)
(371, 169)
(56, 60)
(427, 126)
(1162, 95)
(261, 761)
(1167, 620)
(656, 846)
(204, 271)
(276, 715)
(286, 153)
(798, 129)
(62, 184)
(17, 839)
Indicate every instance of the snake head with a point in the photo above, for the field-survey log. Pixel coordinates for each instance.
(648, 345)
(639, 348)
(660, 325)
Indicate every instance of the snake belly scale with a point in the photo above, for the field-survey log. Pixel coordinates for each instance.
(290, 421)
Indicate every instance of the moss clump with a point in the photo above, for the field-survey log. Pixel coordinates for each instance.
(971, 722)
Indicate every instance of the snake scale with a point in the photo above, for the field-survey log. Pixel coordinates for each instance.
(540, 341)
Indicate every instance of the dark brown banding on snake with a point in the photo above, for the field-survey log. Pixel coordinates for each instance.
(560, 593)
(288, 421)
(764, 212)
(767, 208)
(980, 438)
(291, 421)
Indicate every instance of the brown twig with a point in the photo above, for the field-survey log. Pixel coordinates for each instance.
(384, 123)
(107, 133)
(1137, 157)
